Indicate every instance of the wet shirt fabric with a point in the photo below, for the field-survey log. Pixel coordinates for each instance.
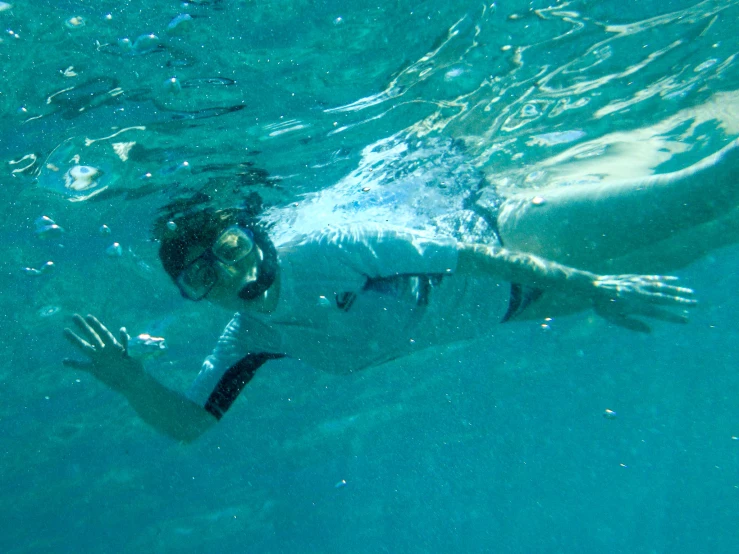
(355, 297)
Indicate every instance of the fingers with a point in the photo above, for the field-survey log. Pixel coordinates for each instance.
(679, 292)
(657, 278)
(667, 299)
(94, 339)
(101, 331)
(78, 342)
(124, 339)
(653, 289)
(661, 288)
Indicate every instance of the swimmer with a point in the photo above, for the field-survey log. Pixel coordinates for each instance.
(348, 297)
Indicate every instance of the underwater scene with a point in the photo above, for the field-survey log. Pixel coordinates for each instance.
(556, 425)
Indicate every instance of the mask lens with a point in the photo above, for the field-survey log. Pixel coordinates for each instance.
(233, 245)
(197, 279)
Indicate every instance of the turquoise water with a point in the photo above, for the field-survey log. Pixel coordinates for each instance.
(499, 446)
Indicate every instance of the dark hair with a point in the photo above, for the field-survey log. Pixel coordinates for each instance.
(202, 228)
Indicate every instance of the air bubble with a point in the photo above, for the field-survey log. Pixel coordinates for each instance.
(146, 43)
(74, 22)
(43, 221)
(125, 44)
(49, 232)
(114, 250)
(172, 85)
(180, 25)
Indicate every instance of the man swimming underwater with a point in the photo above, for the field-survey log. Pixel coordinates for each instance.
(353, 295)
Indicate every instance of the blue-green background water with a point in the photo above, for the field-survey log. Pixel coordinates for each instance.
(498, 446)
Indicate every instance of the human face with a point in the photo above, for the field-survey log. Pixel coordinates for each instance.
(232, 261)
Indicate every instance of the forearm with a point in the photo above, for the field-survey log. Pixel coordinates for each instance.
(167, 411)
(525, 269)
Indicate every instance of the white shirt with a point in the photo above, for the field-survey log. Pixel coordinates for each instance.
(359, 296)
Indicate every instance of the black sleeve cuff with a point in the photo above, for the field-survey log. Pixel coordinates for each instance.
(234, 381)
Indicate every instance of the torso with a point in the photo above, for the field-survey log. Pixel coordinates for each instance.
(339, 320)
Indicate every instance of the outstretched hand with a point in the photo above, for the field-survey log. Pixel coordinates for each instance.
(621, 297)
(108, 358)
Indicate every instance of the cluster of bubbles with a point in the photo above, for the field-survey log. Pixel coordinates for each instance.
(143, 345)
(45, 268)
(48, 229)
(115, 250)
(146, 43)
(180, 25)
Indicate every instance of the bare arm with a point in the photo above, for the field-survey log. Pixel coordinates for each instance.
(615, 297)
(166, 410)
(520, 267)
